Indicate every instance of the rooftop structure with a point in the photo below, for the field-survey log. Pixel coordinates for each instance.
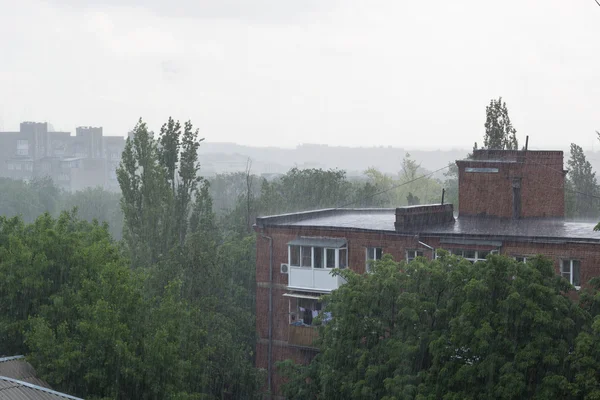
(510, 202)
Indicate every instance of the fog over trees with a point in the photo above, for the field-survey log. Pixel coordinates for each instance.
(150, 293)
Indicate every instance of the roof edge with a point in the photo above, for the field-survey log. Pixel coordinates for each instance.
(36, 387)
(302, 215)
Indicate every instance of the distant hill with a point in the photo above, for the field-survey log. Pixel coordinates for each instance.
(229, 157)
(218, 157)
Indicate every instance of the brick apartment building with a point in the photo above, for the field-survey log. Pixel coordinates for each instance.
(510, 202)
(73, 162)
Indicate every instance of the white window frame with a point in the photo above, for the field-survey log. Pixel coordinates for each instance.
(312, 257)
(569, 275)
(475, 259)
(411, 254)
(368, 260)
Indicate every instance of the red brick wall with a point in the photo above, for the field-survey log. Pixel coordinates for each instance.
(393, 244)
(491, 194)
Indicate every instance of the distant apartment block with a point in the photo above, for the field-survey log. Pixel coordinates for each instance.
(88, 159)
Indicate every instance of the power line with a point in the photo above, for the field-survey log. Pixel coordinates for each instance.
(561, 171)
(393, 187)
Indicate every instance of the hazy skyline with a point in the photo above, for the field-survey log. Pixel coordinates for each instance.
(282, 73)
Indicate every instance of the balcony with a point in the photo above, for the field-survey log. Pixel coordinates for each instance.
(313, 279)
(302, 336)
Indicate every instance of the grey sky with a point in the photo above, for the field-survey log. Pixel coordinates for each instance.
(276, 72)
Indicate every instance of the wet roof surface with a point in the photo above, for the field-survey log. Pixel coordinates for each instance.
(384, 219)
(13, 389)
(18, 368)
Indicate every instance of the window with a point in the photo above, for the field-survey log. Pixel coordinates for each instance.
(22, 147)
(373, 253)
(521, 259)
(18, 166)
(11, 166)
(329, 258)
(306, 256)
(570, 270)
(294, 256)
(412, 254)
(343, 256)
(303, 312)
(29, 167)
(317, 257)
(472, 255)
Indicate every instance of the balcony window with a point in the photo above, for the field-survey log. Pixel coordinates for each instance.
(570, 270)
(330, 258)
(317, 256)
(311, 261)
(295, 256)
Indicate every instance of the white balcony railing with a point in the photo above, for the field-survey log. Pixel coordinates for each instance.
(319, 279)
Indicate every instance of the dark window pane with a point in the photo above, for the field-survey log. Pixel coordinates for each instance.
(576, 268)
(306, 256)
(566, 267)
(343, 258)
(318, 257)
(418, 253)
(469, 254)
(378, 253)
(330, 258)
(295, 255)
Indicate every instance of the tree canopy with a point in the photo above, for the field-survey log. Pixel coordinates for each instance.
(581, 186)
(499, 132)
(454, 330)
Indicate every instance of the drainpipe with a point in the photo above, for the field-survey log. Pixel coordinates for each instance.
(270, 316)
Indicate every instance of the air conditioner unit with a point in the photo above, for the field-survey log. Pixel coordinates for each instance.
(284, 268)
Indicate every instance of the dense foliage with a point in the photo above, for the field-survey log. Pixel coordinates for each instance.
(581, 187)
(454, 330)
(499, 131)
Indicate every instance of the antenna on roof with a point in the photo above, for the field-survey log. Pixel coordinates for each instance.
(443, 192)
(526, 142)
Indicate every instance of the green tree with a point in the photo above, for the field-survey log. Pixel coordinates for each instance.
(582, 188)
(145, 190)
(499, 132)
(28, 200)
(96, 204)
(446, 329)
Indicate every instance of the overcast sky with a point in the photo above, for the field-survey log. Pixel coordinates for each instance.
(416, 74)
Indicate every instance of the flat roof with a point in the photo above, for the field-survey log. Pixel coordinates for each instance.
(382, 220)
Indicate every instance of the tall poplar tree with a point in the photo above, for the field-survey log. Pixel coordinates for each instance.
(499, 132)
(582, 186)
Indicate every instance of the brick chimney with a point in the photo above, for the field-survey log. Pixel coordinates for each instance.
(512, 184)
(415, 217)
